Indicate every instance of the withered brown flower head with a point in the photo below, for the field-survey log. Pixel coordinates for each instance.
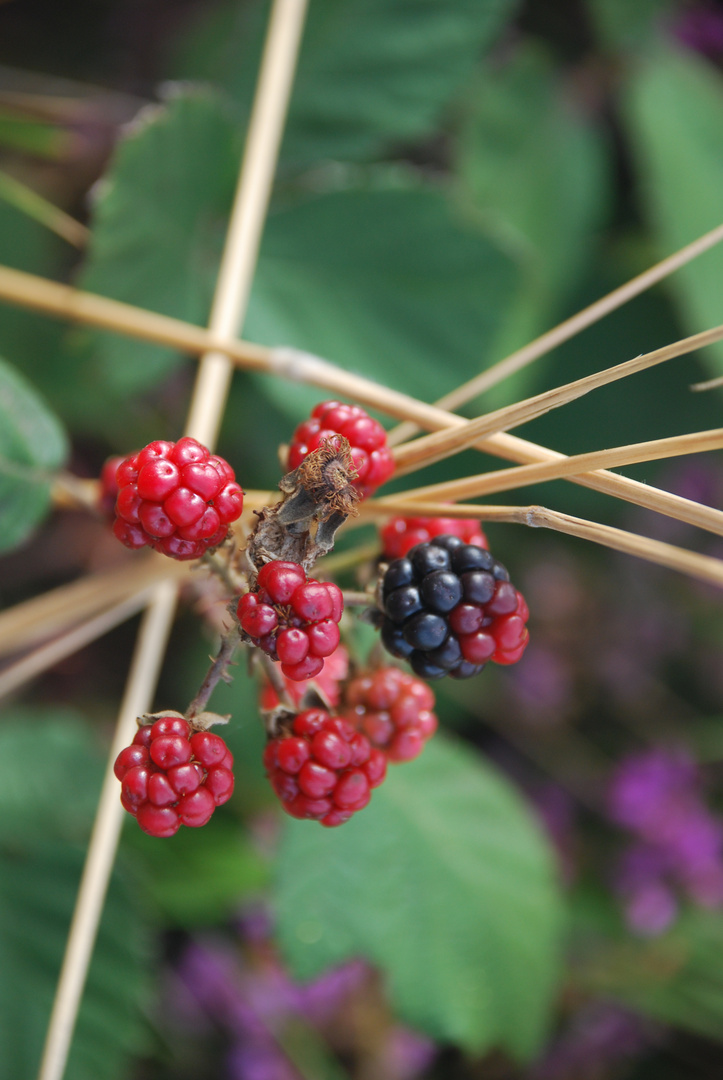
(327, 475)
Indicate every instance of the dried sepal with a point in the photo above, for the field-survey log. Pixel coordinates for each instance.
(150, 718)
(327, 475)
(277, 720)
(318, 496)
(205, 720)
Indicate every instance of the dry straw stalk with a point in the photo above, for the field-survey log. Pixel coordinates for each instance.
(238, 263)
(539, 517)
(442, 444)
(507, 479)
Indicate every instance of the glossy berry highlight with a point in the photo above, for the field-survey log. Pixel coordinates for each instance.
(449, 607)
(172, 775)
(322, 768)
(292, 618)
(177, 498)
(372, 457)
(393, 710)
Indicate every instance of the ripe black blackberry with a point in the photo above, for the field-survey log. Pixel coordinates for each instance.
(449, 607)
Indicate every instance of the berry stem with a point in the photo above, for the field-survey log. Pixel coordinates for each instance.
(357, 599)
(218, 671)
(276, 679)
(222, 567)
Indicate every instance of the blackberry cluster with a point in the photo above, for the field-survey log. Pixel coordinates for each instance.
(393, 710)
(175, 497)
(172, 775)
(292, 619)
(401, 534)
(449, 607)
(323, 769)
(372, 457)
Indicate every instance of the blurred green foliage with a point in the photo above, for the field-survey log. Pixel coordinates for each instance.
(455, 177)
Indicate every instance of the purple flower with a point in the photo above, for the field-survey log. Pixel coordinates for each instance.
(642, 786)
(258, 1060)
(679, 843)
(651, 909)
(600, 1036)
(639, 864)
(320, 999)
(701, 29)
(694, 838)
(407, 1054)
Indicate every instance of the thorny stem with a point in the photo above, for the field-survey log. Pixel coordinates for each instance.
(222, 567)
(217, 672)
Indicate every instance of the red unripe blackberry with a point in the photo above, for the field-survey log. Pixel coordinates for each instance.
(175, 497)
(292, 619)
(172, 775)
(449, 607)
(401, 534)
(328, 682)
(393, 710)
(323, 769)
(109, 487)
(372, 457)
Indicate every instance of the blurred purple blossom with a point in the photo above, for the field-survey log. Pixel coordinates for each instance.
(258, 1061)
(407, 1054)
(701, 28)
(650, 909)
(642, 787)
(247, 995)
(319, 1000)
(601, 1035)
(678, 842)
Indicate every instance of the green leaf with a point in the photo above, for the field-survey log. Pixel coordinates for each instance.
(60, 792)
(28, 341)
(32, 446)
(525, 123)
(196, 883)
(674, 112)
(443, 882)
(370, 73)
(158, 228)
(37, 892)
(386, 282)
(622, 25)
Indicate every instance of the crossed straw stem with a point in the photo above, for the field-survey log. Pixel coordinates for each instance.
(148, 583)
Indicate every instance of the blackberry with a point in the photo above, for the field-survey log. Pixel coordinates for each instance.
(449, 607)
(372, 457)
(392, 710)
(173, 775)
(177, 498)
(292, 619)
(322, 768)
